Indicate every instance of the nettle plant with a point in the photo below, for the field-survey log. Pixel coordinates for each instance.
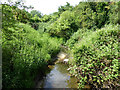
(96, 58)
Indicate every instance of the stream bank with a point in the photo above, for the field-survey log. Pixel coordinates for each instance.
(57, 75)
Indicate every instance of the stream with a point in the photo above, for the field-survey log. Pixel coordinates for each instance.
(57, 76)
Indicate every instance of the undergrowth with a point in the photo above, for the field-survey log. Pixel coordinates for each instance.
(25, 51)
(96, 58)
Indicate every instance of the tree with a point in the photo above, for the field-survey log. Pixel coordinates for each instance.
(114, 12)
(64, 26)
(34, 22)
(35, 12)
(66, 7)
(84, 16)
(91, 14)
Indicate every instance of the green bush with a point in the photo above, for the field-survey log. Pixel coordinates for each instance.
(64, 26)
(96, 58)
(77, 36)
(25, 51)
(114, 13)
(84, 16)
(43, 27)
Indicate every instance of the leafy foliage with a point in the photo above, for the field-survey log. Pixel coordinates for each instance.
(64, 26)
(30, 40)
(35, 12)
(91, 14)
(77, 36)
(34, 22)
(65, 8)
(114, 13)
(96, 57)
(25, 51)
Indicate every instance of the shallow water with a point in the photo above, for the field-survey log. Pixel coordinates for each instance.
(57, 77)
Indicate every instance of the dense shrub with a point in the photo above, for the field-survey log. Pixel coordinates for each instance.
(84, 16)
(114, 13)
(96, 58)
(77, 36)
(25, 51)
(95, 52)
(91, 14)
(34, 22)
(43, 27)
(64, 26)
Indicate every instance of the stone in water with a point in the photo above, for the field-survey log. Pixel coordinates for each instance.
(66, 60)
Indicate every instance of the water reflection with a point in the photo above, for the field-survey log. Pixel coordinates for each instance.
(58, 78)
(62, 68)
